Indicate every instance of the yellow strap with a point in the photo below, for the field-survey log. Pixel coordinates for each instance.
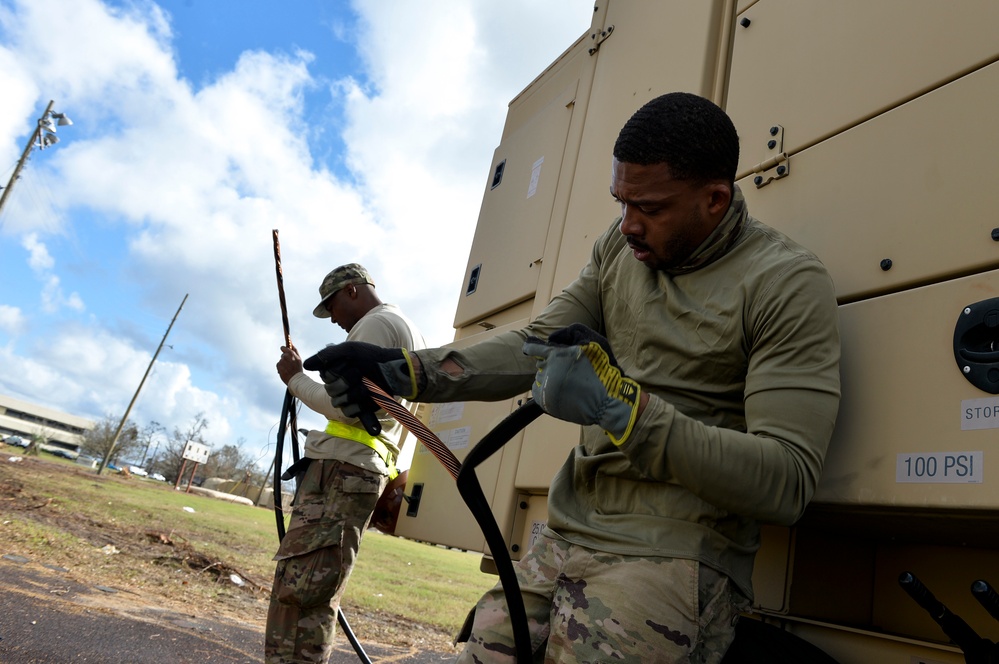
(341, 430)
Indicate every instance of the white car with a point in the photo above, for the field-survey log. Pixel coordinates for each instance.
(135, 470)
(157, 476)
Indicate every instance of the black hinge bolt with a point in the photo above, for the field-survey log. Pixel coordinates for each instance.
(774, 131)
(771, 144)
(781, 170)
(995, 234)
(886, 264)
(758, 180)
(745, 22)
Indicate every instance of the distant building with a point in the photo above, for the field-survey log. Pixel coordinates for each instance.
(62, 430)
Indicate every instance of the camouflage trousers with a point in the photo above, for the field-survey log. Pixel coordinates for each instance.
(589, 606)
(332, 509)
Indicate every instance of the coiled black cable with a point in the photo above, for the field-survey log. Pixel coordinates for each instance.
(471, 493)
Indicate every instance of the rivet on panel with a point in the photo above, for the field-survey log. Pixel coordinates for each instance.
(995, 234)
(745, 22)
(771, 144)
(758, 180)
(966, 369)
(886, 264)
(774, 130)
(967, 310)
(781, 170)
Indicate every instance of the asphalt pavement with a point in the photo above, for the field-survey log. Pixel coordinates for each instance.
(48, 618)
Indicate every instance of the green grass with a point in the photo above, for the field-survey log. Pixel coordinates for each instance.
(65, 513)
(440, 585)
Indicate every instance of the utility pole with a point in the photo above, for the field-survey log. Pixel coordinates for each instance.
(43, 136)
(114, 441)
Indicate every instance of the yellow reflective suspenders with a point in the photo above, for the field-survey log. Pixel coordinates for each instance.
(341, 430)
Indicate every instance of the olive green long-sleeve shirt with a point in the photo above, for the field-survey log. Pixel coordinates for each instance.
(741, 359)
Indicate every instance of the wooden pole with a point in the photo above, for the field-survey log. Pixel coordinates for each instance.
(114, 441)
(191, 479)
(180, 475)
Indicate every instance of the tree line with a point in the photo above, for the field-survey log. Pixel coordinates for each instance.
(156, 450)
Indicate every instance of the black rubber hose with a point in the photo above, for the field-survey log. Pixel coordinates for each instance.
(471, 493)
(287, 405)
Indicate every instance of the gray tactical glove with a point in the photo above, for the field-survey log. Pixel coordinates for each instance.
(579, 381)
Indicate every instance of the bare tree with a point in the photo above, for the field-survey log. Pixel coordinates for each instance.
(169, 462)
(232, 463)
(97, 441)
(35, 443)
(146, 436)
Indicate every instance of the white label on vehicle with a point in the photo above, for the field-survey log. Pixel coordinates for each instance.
(535, 177)
(460, 438)
(940, 467)
(980, 414)
(456, 439)
(446, 412)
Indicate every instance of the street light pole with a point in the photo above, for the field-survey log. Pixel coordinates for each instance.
(42, 137)
(114, 441)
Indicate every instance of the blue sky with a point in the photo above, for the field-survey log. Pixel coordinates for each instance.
(363, 131)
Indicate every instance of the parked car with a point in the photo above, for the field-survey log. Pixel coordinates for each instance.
(16, 441)
(135, 470)
(88, 461)
(157, 476)
(60, 451)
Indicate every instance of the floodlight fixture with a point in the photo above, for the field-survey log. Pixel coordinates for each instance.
(42, 137)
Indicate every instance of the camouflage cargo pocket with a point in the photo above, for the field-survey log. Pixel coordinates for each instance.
(310, 579)
(358, 495)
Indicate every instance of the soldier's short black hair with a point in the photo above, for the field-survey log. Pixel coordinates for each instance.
(690, 134)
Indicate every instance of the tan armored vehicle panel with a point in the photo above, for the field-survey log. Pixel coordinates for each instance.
(898, 443)
(893, 203)
(819, 68)
(505, 258)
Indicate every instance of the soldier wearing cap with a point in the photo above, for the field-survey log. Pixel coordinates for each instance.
(345, 471)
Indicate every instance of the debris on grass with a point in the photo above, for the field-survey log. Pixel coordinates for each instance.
(187, 556)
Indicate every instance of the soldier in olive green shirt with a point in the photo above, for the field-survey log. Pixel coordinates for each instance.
(714, 418)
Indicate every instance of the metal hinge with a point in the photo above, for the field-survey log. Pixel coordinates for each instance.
(600, 37)
(777, 165)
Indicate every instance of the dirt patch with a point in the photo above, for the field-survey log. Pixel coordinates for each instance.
(152, 572)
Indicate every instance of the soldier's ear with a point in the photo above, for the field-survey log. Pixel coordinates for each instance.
(719, 198)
